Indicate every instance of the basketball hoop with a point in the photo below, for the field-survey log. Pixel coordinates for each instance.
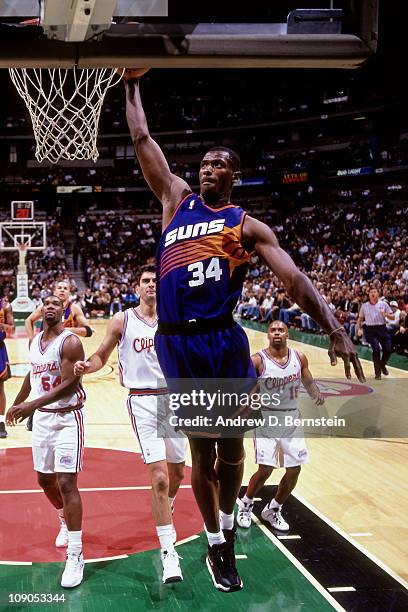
(65, 107)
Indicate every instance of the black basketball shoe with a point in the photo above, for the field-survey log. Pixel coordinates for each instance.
(221, 564)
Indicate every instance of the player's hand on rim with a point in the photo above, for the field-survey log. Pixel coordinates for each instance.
(342, 346)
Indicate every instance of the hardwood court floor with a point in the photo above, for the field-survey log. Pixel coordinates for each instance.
(358, 484)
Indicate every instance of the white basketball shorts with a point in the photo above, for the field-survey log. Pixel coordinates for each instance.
(158, 441)
(280, 446)
(58, 441)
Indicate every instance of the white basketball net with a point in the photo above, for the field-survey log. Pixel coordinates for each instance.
(65, 107)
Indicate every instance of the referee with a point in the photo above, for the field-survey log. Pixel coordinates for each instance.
(373, 313)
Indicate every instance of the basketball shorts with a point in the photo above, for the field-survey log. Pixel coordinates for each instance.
(4, 363)
(216, 361)
(280, 446)
(58, 441)
(151, 421)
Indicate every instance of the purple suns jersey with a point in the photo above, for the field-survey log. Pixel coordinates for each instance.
(201, 263)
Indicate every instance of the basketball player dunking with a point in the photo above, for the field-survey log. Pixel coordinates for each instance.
(6, 326)
(58, 428)
(133, 333)
(201, 265)
(280, 370)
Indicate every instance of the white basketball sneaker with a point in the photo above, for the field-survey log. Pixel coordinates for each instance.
(275, 518)
(244, 514)
(74, 570)
(61, 541)
(171, 566)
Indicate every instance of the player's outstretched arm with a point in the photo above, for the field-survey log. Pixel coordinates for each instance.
(166, 186)
(303, 292)
(103, 352)
(308, 381)
(30, 321)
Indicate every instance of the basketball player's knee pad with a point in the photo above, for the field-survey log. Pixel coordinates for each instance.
(239, 462)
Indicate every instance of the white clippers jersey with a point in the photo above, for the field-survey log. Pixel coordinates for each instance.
(138, 364)
(283, 380)
(45, 372)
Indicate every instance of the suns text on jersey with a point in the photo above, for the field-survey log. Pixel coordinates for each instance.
(203, 228)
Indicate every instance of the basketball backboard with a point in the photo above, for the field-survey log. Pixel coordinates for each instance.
(308, 39)
(31, 234)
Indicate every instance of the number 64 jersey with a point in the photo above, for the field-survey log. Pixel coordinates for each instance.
(45, 373)
(201, 263)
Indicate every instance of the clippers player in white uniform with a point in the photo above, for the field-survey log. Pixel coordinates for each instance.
(280, 371)
(58, 428)
(133, 332)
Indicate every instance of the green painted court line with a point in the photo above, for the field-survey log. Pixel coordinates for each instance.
(271, 583)
(396, 361)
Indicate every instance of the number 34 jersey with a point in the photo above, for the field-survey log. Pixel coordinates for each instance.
(201, 262)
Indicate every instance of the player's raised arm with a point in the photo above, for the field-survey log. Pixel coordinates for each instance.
(103, 352)
(166, 186)
(303, 292)
(30, 321)
(308, 381)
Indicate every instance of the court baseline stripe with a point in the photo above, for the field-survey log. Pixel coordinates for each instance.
(347, 537)
(298, 565)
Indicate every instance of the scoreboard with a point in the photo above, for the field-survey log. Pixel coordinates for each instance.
(22, 210)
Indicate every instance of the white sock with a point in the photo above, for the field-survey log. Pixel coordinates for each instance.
(248, 500)
(165, 535)
(226, 520)
(74, 542)
(2, 418)
(215, 538)
(274, 505)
